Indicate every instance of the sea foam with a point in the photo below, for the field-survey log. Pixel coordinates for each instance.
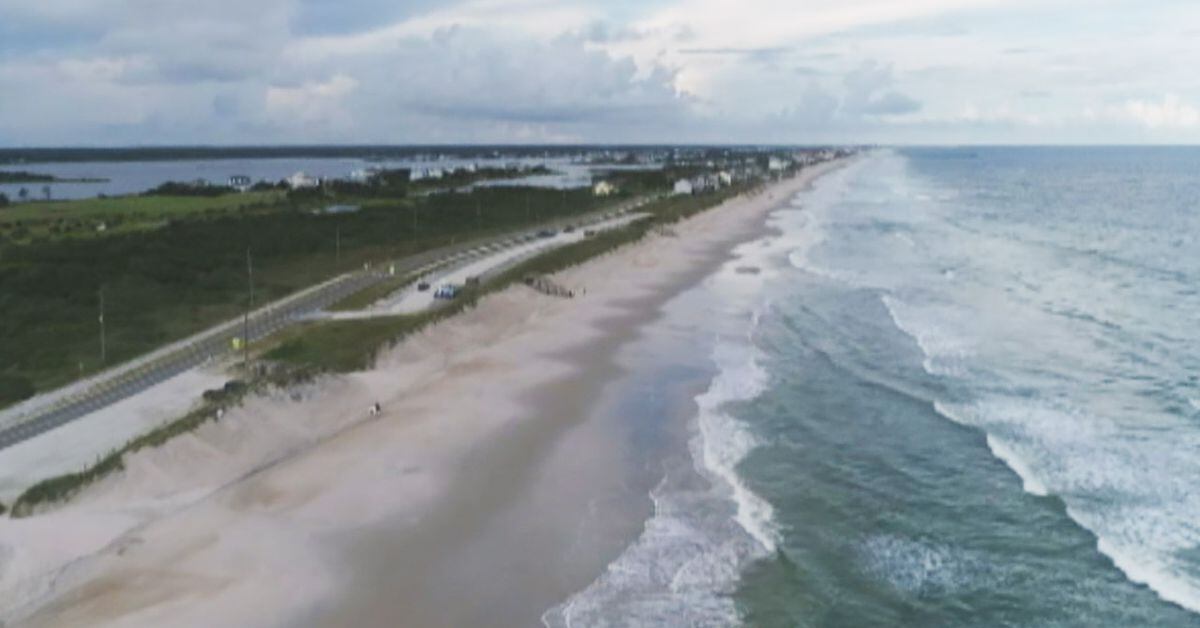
(707, 524)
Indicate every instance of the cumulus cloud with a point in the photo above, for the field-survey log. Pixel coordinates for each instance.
(473, 74)
(1170, 112)
(868, 92)
(313, 102)
(180, 71)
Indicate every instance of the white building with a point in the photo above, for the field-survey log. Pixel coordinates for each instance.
(302, 180)
(775, 164)
(683, 186)
(363, 175)
(725, 177)
(604, 188)
(239, 182)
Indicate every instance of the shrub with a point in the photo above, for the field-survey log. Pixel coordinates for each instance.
(14, 388)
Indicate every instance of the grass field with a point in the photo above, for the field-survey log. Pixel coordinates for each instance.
(50, 219)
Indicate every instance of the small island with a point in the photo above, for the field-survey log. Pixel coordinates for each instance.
(21, 176)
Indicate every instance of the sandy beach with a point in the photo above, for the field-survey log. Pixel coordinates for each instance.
(299, 509)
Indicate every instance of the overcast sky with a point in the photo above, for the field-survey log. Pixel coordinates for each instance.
(95, 72)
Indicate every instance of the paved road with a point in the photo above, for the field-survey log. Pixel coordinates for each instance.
(492, 261)
(50, 410)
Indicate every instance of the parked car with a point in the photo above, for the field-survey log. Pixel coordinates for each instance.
(569, 229)
(446, 291)
(547, 233)
(423, 286)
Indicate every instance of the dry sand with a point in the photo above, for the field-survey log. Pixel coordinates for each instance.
(245, 521)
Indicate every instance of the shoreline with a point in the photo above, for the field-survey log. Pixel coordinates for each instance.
(306, 473)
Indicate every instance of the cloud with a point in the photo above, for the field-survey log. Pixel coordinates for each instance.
(311, 102)
(331, 17)
(868, 92)
(1170, 112)
(159, 71)
(734, 51)
(469, 75)
(890, 103)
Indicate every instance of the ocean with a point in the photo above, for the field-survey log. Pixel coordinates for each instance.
(952, 387)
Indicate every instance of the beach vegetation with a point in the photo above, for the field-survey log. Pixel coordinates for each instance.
(304, 352)
(351, 345)
(189, 272)
(368, 296)
(62, 487)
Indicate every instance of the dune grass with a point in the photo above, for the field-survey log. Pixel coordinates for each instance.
(368, 296)
(63, 487)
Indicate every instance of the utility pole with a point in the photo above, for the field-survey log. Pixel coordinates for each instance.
(103, 343)
(246, 317)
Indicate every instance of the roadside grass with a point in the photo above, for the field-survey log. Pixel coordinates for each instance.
(163, 284)
(367, 296)
(340, 346)
(347, 346)
(63, 487)
(352, 345)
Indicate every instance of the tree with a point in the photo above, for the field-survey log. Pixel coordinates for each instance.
(46, 191)
(23, 194)
(4, 202)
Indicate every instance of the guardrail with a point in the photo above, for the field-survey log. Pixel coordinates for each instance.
(50, 410)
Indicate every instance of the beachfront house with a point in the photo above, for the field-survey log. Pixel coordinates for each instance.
(362, 175)
(425, 173)
(725, 178)
(775, 164)
(301, 180)
(604, 188)
(239, 182)
(683, 186)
